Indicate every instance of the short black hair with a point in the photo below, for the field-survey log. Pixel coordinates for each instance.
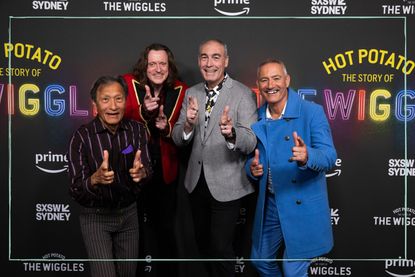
(105, 80)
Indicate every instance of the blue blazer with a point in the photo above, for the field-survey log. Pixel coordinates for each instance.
(300, 192)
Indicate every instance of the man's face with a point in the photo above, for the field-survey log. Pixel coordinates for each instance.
(212, 62)
(157, 67)
(273, 83)
(110, 104)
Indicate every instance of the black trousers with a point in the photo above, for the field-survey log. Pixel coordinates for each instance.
(157, 215)
(214, 224)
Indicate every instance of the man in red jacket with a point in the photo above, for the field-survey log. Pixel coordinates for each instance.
(155, 97)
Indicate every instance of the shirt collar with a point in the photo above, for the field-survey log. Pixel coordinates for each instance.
(100, 127)
(218, 87)
(268, 112)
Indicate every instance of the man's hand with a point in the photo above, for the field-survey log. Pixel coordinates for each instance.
(226, 124)
(256, 168)
(299, 150)
(161, 119)
(191, 114)
(103, 176)
(137, 172)
(150, 103)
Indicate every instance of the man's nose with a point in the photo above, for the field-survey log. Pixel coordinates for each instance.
(209, 62)
(113, 104)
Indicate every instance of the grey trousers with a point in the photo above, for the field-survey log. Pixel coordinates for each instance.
(111, 234)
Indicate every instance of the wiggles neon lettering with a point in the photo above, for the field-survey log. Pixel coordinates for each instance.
(29, 100)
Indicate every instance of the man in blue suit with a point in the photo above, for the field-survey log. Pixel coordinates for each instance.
(294, 150)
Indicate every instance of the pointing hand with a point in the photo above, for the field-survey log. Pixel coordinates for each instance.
(299, 150)
(137, 172)
(150, 102)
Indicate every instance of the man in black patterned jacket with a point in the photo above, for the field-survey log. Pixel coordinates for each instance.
(108, 162)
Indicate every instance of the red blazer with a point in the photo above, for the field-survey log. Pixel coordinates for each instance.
(173, 103)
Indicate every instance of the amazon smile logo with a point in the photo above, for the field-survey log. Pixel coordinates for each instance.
(400, 275)
(51, 163)
(336, 171)
(232, 7)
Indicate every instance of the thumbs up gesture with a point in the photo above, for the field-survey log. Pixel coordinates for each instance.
(150, 102)
(299, 150)
(137, 172)
(256, 168)
(226, 124)
(161, 119)
(103, 176)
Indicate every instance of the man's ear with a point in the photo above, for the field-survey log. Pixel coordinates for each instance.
(94, 108)
(287, 80)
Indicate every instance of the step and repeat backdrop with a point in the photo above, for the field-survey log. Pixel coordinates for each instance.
(355, 58)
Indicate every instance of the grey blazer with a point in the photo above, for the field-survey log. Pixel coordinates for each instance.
(223, 167)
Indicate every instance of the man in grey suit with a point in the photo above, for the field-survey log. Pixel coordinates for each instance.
(216, 116)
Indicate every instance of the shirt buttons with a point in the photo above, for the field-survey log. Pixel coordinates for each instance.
(287, 138)
(298, 202)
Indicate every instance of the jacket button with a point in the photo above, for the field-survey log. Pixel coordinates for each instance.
(198, 162)
(287, 137)
(298, 202)
(293, 181)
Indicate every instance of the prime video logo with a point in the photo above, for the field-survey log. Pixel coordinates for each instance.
(233, 3)
(406, 265)
(47, 162)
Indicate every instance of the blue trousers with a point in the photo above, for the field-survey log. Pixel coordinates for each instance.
(271, 241)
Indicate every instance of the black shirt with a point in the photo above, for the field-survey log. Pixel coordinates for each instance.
(86, 155)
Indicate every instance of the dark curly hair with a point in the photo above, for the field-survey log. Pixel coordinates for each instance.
(140, 68)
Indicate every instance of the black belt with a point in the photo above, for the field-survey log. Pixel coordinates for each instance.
(108, 210)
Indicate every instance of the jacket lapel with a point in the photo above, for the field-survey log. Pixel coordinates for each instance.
(293, 105)
(201, 101)
(220, 104)
(171, 97)
(259, 127)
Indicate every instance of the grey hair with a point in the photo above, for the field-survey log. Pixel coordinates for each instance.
(271, 60)
(217, 41)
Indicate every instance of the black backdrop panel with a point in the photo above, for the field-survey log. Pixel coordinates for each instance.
(350, 65)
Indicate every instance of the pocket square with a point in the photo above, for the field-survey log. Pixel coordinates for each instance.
(128, 150)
